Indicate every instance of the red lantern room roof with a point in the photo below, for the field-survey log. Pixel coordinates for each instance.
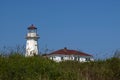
(32, 27)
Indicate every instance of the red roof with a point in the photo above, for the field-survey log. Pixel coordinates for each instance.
(32, 27)
(65, 51)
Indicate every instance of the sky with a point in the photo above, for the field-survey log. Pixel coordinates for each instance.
(91, 26)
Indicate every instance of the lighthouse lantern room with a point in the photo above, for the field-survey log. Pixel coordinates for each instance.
(32, 41)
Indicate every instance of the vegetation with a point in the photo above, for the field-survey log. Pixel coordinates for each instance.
(18, 67)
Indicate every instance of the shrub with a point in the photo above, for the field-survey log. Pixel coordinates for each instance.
(18, 67)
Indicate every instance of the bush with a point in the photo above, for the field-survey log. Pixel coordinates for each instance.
(18, 67)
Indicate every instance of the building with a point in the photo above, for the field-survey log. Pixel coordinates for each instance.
(32, 41)
(66, 54)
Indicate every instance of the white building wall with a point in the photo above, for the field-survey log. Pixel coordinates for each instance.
(66, 58)
(80, 59)
(91, 59)
(57, 58)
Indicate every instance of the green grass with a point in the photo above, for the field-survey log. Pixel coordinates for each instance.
(18, 67)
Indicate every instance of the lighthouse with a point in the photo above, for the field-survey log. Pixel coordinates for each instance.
(32, 41)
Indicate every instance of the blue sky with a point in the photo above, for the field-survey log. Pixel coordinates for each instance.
(92, 26)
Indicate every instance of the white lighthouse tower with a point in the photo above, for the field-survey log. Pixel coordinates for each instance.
(32, 41)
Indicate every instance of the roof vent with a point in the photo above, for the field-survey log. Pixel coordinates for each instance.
(65, 48)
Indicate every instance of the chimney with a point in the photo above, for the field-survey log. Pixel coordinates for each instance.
(65, 49)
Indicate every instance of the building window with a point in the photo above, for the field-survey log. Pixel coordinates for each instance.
(61, 58)
(78, 58)
(87, 59)
(75, 58)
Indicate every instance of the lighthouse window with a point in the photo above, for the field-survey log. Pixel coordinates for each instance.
(32, 31)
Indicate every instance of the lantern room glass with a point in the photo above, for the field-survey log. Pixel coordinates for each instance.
(32, 30)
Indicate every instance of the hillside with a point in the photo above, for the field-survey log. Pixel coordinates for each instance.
(17, 67)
